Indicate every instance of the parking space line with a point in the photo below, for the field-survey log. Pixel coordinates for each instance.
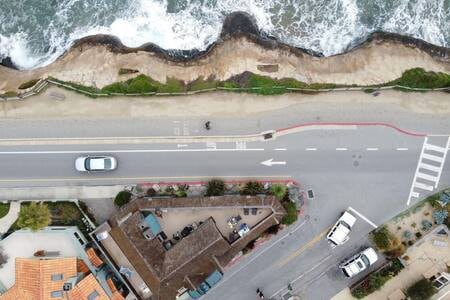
(363, 217)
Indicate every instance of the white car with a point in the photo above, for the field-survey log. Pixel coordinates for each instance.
(359, 262)
(339, 233)
(95, 163)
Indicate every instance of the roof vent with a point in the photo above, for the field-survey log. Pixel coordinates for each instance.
(67, 286)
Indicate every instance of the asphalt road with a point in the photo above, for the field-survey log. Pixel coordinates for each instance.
(370, 169)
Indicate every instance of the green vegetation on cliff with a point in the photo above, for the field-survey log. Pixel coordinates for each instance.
(253, 83)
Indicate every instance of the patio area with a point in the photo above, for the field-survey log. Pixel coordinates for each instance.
(61, 241)
(175, 219)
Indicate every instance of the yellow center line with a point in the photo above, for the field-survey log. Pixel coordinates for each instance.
(302, 249)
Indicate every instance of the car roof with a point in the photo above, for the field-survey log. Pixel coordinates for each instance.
(97, 163)
(338, 233)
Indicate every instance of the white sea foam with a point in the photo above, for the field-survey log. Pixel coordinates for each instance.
(328, 26)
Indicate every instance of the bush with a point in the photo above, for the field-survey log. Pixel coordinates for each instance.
(4, 209)
(122, 198)
(440, 216)
(28, 84)
(123, 71)
(215, 187)
(407, 234)
(419, 78)
(382, 238)
(445, 197)
(253, 188)
(278, 190)
(421, 290)
(291, 213)
(172, 85)
(418, 234)
(151, 192)
(34, 216)
(426, 225)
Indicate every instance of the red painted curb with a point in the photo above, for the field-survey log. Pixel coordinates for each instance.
(286, 181)
(353, 124)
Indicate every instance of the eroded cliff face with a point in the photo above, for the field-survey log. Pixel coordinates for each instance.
(96, 60)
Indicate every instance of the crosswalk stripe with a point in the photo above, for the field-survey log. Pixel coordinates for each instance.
(435, 148)
(430, 167)
(432, 157)
(427, 177)
(423, 186)
(415, 195)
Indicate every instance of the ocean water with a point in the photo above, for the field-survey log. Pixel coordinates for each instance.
(35, 32)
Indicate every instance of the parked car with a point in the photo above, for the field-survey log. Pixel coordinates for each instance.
(359, 262)
(340, 232)
(95, 163)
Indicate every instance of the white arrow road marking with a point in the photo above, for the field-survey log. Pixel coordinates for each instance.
(270, 162)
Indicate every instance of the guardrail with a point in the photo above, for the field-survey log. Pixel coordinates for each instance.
(42, 83)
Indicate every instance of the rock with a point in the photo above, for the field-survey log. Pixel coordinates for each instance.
(7, 62)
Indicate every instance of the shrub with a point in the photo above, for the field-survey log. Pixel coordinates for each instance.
(291, 213)
(419, 78)
(426, 225)
(445, 197)
(172, 85)
(253, 188)
(34, 216)
(407, 234)
(151, 192)
(181, 191)
(378, 280)
(122, 198)
(421, 290)
(215, 187)
(440, 216)
(278, 190)
(418, 234)
(202, 84)
(28, 84)
(382, 238)
(4, 209)
(123, 71)
(273, 229)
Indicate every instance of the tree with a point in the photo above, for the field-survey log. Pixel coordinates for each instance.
(215, 187)
(34, 216)
(122, 198)
(278, 190)
(421, 290)
(382, 238)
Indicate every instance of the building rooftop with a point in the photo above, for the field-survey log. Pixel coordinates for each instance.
(165, 265)
(45, 278)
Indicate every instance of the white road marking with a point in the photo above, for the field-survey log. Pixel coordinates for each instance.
(311, 149)
(443, 297)
(427, 177)
(270, 162)
(211, 145)
(280, 149)
(423, 186)
(443, 159)
(372, 149)
(401, 149)
(363, 217)
(432, 157)
(430, 167)
(264, 250)
(130, 151)
(181, 145)
(341, 149)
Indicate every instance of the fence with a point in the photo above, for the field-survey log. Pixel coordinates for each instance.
(42, 83)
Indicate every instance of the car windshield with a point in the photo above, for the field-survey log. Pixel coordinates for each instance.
(107, 164)
(87, 163)
(365, 260)
(345, 225)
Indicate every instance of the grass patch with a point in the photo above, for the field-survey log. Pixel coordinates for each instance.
(201, 84)
(88, 89)
(28, 84)
(172, 85)
(4, 209)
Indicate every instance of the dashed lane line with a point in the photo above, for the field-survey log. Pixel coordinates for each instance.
(401, 149)
(311, 149)
(363, 217)
(341, 149)
(212, 149)
(372, 149)
(280, 149)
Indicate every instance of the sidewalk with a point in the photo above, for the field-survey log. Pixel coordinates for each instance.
(10, 218)
(62, 192)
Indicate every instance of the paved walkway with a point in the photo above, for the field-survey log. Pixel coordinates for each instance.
(10, 218)
(60, 193)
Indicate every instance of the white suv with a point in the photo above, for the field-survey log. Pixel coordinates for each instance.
(339, 233)
(95, 163)
(359, 262)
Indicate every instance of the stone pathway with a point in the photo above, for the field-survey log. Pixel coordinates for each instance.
(10, 218)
